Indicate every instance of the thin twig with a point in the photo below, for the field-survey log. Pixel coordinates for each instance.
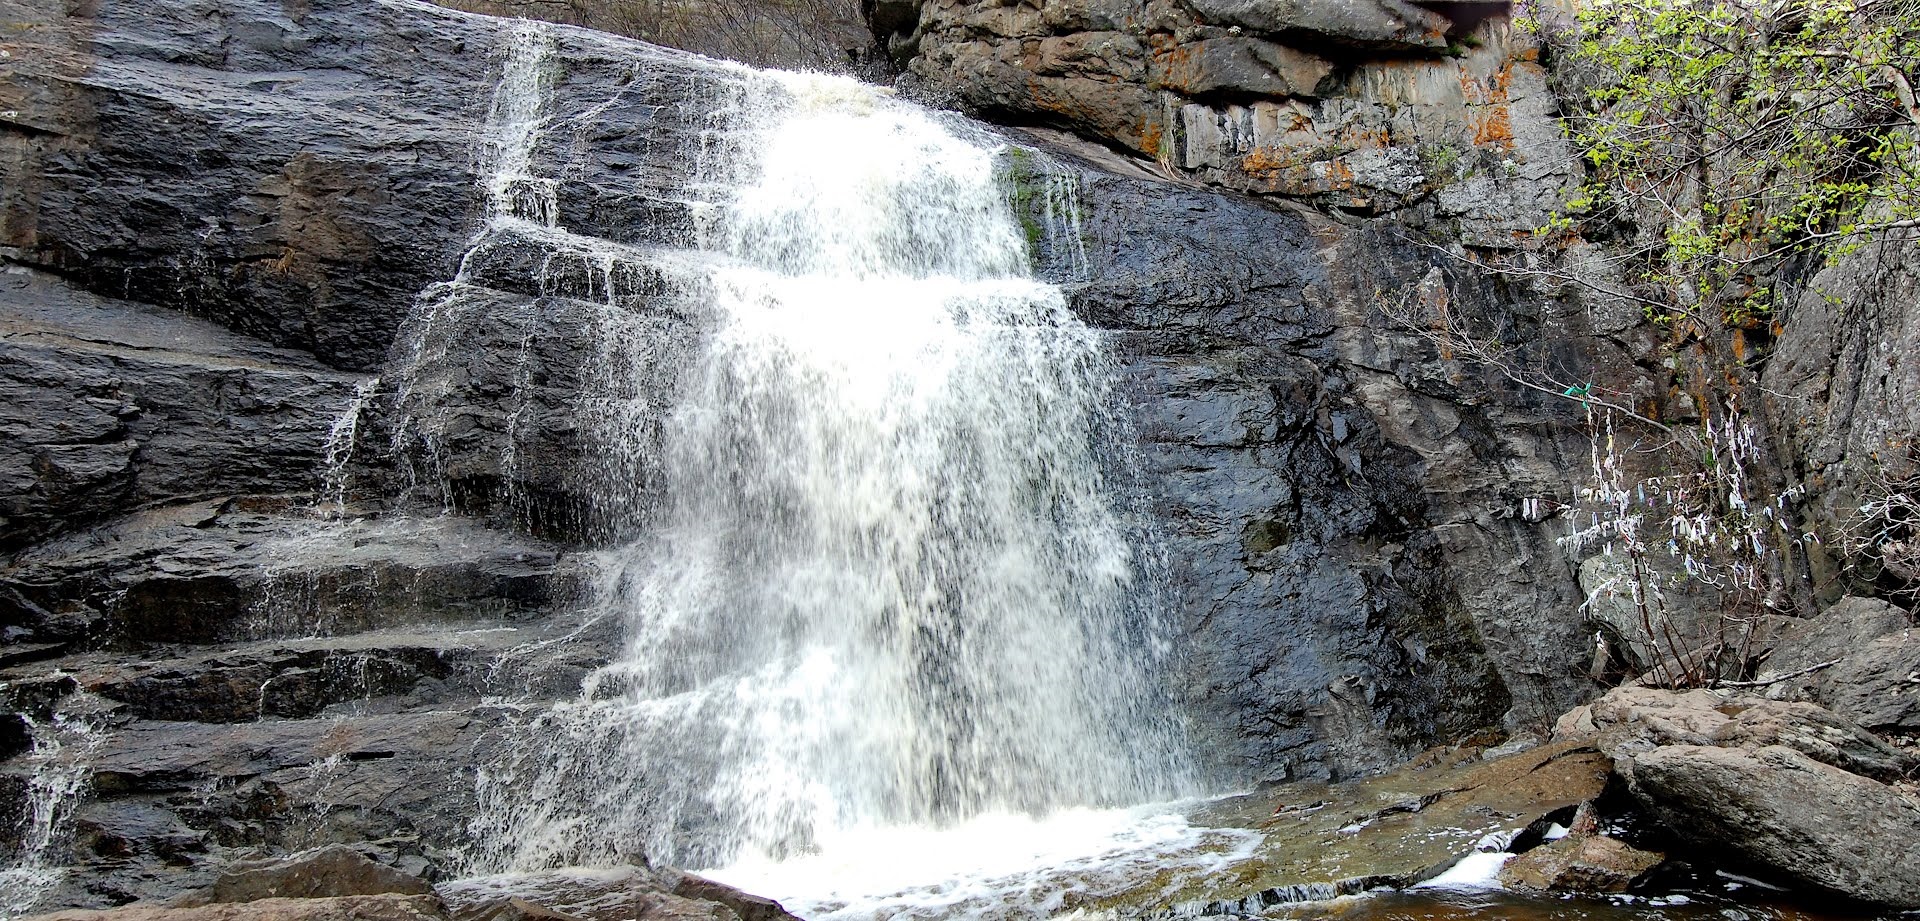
(1779, 678)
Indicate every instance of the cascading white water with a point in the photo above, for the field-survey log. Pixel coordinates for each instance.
(58, 769)
(891, 587)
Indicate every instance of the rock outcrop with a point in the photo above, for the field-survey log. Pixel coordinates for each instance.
(1735, 777)
(1369, 106)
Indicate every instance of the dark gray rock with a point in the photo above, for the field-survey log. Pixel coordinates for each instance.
(1878, 686)
(1341, 507)
(124, 174)
(107, 405)
(236, 570)
(1844, 402)
(1754, 805)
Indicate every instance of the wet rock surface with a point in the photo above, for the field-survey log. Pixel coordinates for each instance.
(335, 871)
(1580, 863)
(1318, 841)
(1344, 510)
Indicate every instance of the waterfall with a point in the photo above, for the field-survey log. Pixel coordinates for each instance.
(889, 584)
(58, 773)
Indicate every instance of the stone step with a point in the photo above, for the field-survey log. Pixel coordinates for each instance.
(317, 676)
(241, 570)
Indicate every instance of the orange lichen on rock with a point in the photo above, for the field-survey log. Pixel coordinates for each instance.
(1265, 161)
(1490, 119)
(1152, 136)
(1339, 174)
(1493, 128)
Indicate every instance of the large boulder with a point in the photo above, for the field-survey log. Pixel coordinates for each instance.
(1843, 629)
(1878, 685)
(1777, 809)
(1631, 721)
(1859, 658)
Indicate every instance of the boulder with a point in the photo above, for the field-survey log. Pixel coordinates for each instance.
(327, 872)
(630, 893)
(1580, 863)
(345, 908)
(1841, 630)
(1779, 810)
(1630, 721)
(1686, 619)
(1877, 686)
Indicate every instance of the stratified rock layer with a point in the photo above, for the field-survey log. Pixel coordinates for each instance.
(1367, 106)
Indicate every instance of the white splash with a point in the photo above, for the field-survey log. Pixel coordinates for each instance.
(993, 865)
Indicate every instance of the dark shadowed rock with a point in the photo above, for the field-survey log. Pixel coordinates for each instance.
(1845, 405)
(1757, 806)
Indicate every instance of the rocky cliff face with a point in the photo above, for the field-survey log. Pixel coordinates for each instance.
(267, 597)
(231, 618)
(1364, 107)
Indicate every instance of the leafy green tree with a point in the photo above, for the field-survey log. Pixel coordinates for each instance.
(1725, 139)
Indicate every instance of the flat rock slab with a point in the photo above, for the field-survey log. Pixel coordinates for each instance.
(632, 893)
(351, 908)
(1322, 840)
